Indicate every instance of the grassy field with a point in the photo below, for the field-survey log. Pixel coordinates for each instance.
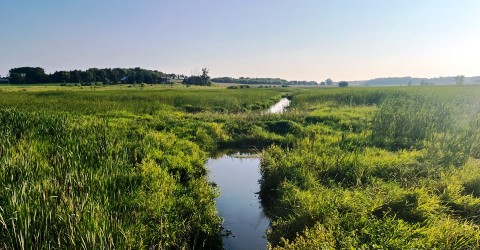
(124, 166)
(115, 167)
(378, 168)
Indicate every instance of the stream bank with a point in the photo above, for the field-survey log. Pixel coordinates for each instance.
(237, 173)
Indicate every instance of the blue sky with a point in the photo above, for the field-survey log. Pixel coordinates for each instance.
(291, 39)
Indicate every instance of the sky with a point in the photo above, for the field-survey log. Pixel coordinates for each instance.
(290, 39)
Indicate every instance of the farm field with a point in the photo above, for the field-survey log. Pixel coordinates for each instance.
(124, 167)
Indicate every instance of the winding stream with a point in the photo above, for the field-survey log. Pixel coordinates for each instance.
(237, 177)
(244, 223)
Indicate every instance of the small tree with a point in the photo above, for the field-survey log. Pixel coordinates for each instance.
(343, 84)
(460, 79)
(201, 80)
(205, 78)
(329, 81)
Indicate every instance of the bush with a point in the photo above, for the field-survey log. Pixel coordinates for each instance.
(343, 84)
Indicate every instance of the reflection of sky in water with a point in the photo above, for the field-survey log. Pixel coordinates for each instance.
(238, 204)
(279, 107)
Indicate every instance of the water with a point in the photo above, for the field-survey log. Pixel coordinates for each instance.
(237, 178)
(279, 107)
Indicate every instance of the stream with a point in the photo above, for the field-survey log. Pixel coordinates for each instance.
(244, 223)
(279, 107)
(236, 176)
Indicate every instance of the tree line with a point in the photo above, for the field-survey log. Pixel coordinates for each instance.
(248, 80)
(275, 81)
(199, 80)
(29, 75)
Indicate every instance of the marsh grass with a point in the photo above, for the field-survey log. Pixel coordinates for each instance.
(78, 184)
(116, 167)
(377, 168)
(123, 167)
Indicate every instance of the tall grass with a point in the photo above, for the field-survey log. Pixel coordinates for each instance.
(377, 169)
(364, 168)
(93, 101)
(104, 169)
(78, 184)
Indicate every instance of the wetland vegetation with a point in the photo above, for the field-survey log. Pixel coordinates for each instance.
(125, 168)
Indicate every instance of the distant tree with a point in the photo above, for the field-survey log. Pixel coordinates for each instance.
(205, 77)
(30, 74)
(225, 80)
(201, 80)
(75, 76)
(460, 79)
(264, 81)
(17, 78)
(322, 83)
(92, 75)
(343, 84)
(302, 83)
(329, 81)
(131, 77)
(139, 77)
(114, 76)
(60, 76)
(148, 78)
(100, 74)
(425, 83)
(88, 76)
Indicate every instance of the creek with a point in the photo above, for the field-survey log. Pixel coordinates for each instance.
(280, 107)
(236, 175)
(237, 178)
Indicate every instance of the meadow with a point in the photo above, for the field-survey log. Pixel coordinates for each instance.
(124, 167)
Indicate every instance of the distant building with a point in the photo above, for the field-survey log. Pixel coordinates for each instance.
(124, 79)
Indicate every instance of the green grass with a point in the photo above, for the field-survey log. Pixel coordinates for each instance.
(124, 166)
(114, 167)
(141, 100)
(378, 168)
(80, 183)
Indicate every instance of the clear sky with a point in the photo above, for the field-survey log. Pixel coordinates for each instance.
(291, 39)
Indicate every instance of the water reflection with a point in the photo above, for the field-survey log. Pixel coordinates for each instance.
(279, 107)
(244, 220)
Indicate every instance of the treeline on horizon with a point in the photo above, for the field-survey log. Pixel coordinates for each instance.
(30, 75)
(267, 81)
(410, 81)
